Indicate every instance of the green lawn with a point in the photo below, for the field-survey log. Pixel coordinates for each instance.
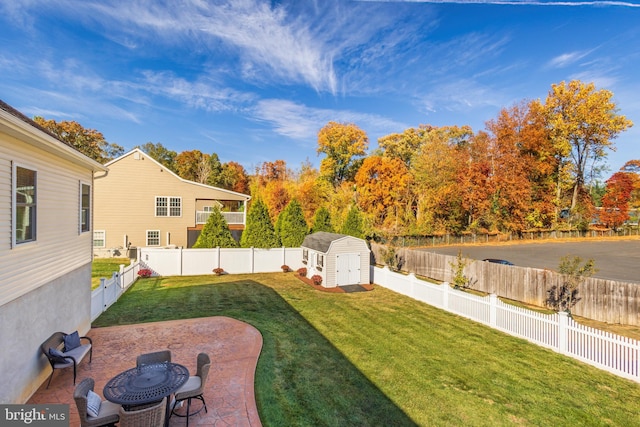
(381, 359)
(105, 267)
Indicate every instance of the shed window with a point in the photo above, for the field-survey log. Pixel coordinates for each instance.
(25, 199)
(320, 260)
(305, 256)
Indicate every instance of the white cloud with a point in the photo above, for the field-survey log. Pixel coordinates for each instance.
(516, 2)
(566, 59)
(301, 122)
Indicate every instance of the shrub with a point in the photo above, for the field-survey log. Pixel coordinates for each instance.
(285, 268)
(144, 273)
(218, 271)
(316, 279)
(302, 271)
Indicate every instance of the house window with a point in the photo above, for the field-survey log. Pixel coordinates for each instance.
(305, 256)
(99, 239)
(320, 260)
(25, 186)
(85, 207)
(153, 237)
(168, 206)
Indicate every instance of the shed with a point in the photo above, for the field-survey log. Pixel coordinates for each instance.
(338, 258)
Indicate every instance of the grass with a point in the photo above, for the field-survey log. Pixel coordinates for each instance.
(105, 267)
(381, 359)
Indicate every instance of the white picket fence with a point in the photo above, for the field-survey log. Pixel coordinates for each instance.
(110, 289)
(613, 353)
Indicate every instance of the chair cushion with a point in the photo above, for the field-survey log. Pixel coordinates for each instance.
(189, 389)
(71, 341)
(57, 355)
(93, 403)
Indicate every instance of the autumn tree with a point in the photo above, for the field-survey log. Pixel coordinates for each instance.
(582, 122)
(269, 184)
(403, 145)
(353, 225)
(344, 146)
(382, 186)
(632, 169)
(215, 233)
(193, 165)
(233, 177)
(322, 221)
(615, 202)
(89, 142)
(310, 189)
(161, 154)
(259, 232)
(436, 168)
(292, 227)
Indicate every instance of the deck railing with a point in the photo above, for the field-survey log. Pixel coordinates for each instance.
(230, 217)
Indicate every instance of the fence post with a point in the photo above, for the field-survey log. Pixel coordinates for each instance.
(493, 305)
(104, 290)
(445, 295)
(121, 277)
(563, 328)
(252, 263)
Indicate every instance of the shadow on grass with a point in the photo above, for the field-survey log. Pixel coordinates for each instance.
(301, 378)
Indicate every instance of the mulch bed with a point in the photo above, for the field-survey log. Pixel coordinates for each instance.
(337, 289)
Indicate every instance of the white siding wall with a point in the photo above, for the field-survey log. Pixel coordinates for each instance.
(59, 247)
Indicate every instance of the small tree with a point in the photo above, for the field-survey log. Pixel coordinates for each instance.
(259, 231)
(215, 233)
(322, 221)
(293, 227)
(457, 268)
(564, 296)
(353, 224)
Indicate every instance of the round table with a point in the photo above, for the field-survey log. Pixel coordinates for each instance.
(145, 384)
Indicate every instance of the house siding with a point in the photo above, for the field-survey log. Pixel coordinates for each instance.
(28, 266)
(45, 285)
(125, 201)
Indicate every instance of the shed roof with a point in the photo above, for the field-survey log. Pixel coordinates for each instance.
(321, 240)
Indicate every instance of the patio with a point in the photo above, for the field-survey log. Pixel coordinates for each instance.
(234, 348)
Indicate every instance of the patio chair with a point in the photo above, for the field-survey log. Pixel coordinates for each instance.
(193, 388)
(107, 411)
(149, 416)
(155, 357)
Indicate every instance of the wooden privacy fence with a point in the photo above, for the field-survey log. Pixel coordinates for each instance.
(600, 299)
(557, 331)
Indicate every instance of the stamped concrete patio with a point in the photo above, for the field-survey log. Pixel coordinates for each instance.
(233, 346)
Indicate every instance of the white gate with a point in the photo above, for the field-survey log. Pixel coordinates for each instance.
(347, 269)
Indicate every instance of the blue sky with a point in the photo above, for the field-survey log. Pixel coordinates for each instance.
(255, 80)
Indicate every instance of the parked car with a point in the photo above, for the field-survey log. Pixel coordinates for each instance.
(498, 261)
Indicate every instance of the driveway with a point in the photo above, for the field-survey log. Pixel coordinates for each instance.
(614, 259)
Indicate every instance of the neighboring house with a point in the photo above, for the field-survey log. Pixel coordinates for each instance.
(45, 248)
(339, 259)
(140, 202)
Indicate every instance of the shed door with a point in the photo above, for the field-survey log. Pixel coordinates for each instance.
(348, 269)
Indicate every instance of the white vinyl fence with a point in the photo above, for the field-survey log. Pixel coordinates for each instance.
(191, 262)
(110, 289)
(558, 331)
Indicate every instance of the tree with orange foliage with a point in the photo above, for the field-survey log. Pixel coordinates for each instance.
(89, 142)
(632, 169)
(233, 177)
(382, 186)
(615, 202)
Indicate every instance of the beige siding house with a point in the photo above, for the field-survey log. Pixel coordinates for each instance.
(141, 203)
(45, 248)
